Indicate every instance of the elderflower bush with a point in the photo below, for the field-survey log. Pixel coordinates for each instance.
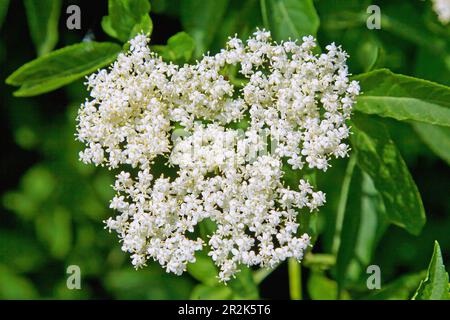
(215, 153)
(300, 100)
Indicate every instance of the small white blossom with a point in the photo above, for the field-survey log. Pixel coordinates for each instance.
(292, 98)
(442, 9)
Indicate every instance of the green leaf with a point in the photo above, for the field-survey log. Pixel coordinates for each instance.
(399, 289)
(38, 183)
(378, 156)
(22, 253)
(204, 292)
(201, 19)
(244, 286)
(372, 224)
(126, 18)
(54, 228)
(430, 64)
(20, 203)
(435, 285)
(363, 225)
(437, 138)
(203, 269)
(4, 5)
(179, 48)
(13, 286)
(350, 223)
(403, 98)
(43, 17)
(151, 283)
(290, 18)
(405, 21)
(145, 25)
(241, 18)
(342, 204)
(61, 67)
(322, 288)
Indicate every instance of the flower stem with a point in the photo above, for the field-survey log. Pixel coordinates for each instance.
(295, 279)
(261, 274)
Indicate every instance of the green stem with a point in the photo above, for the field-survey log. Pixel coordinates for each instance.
(295, 279)
(265, 17)
(343, 204)
(261, 274)
(322, 261)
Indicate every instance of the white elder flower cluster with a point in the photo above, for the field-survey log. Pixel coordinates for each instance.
(297, 100)
(442, 9)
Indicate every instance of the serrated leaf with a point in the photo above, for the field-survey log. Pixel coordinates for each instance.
(435, 285)
(403, 98)
(437, 138)
(291, 18)
(126, 18)
(61, 67)
(378, 156)
(43, 17)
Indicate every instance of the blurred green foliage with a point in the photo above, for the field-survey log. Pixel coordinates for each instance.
(52, 206)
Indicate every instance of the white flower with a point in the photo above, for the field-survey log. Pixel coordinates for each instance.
(442, 9)
(295, 102)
